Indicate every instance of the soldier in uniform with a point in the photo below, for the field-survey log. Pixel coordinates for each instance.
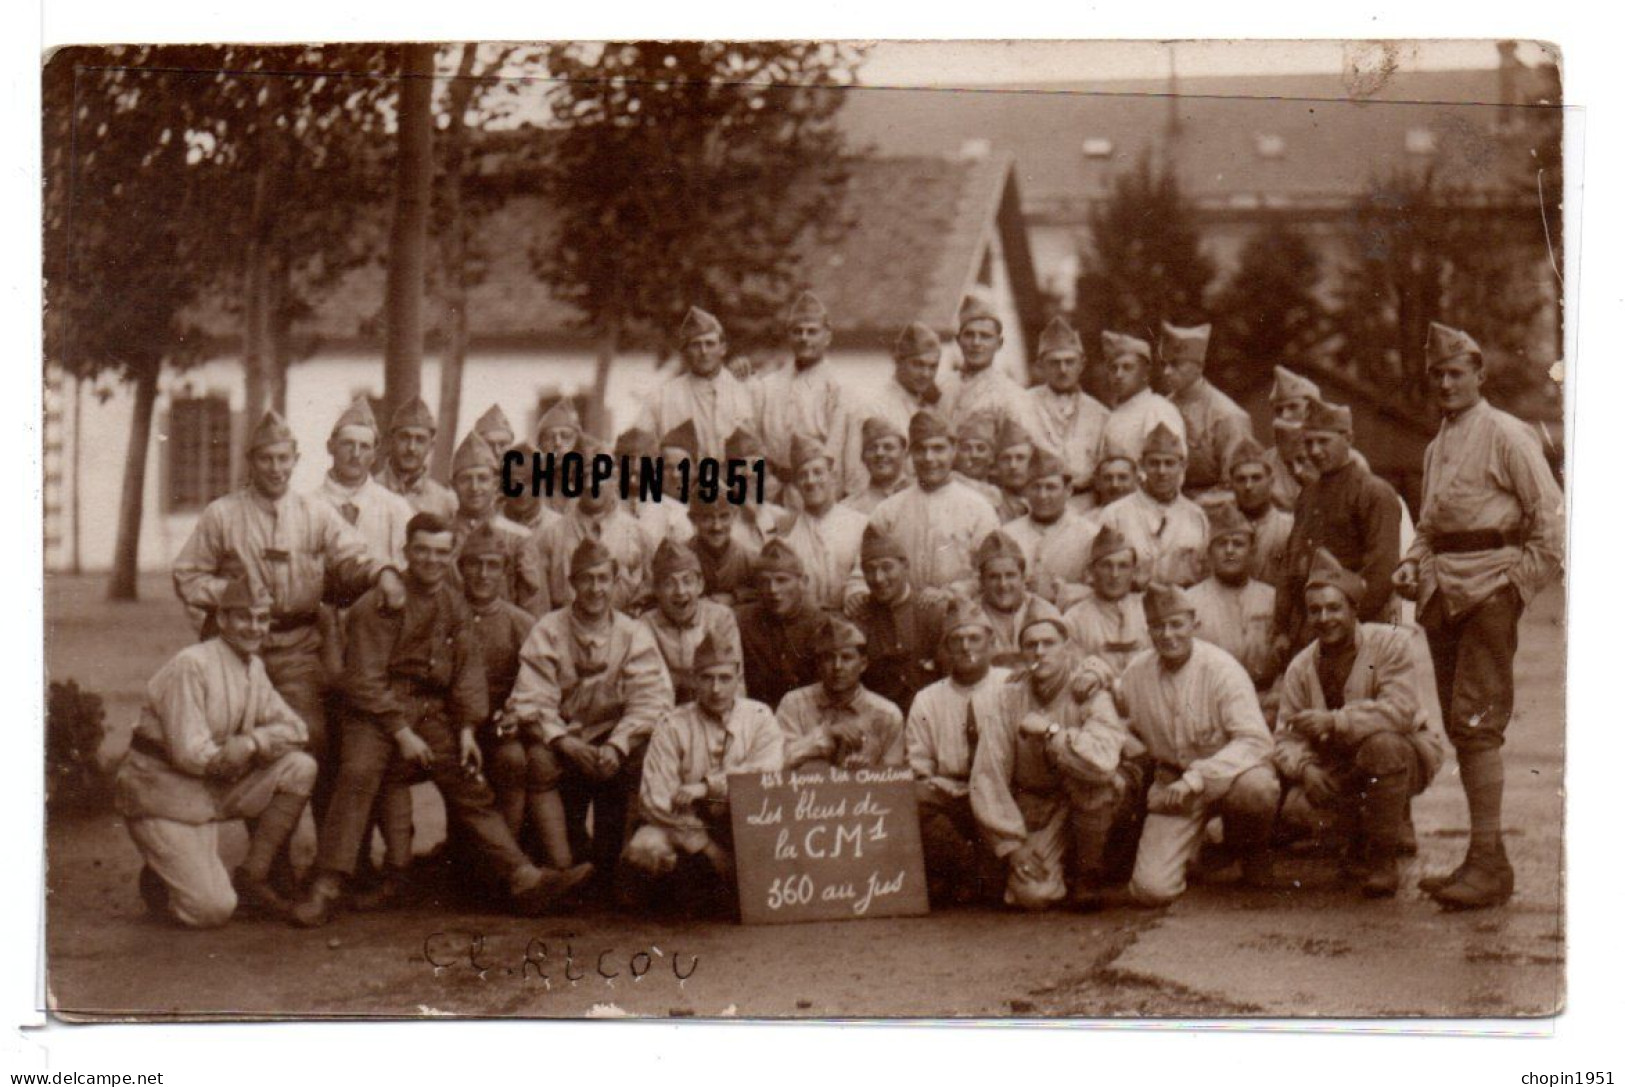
(916, 355)
(837, 720)
(1167, 530)
(1001, 588)
(1234, 611)
(902, 630)
(885, 462)
(1490, 537)
(1252, 482)
(725, 562)
(527, 509)
(416, 685)
(558, 432)
(705, 393)
(1192, 706)
(475, 473)
(1115, 477)
(494, 427)
(1214, 424)
(406, 470)
(591, 687)
(943, 730)
(604, 520)
(683, 799)
(983, 386)
(776, 632)
(1137, 409)
(1054, 538)
(665, 519)
(1350, 513)
(1109, 623)
(378, 514)
(824, 534)
(1064, 417)
(1012, 459)
(214, 742)
(1289, 400)
(806, 400)
(1045, 782)
(683, 616)
(938, 520)
(294, 548)
(974, 440)
(1353, 738)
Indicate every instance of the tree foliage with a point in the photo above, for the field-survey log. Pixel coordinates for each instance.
(1270, 312)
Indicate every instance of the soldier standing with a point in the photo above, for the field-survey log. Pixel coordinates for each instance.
(1064, 417)
(806, 400)
(1167, 530)
(1137, 410)
(823, 534)
(916, 356)
(1054, 538)
(706, 393)
(983, 386)
(1214, 424)
(406, 470)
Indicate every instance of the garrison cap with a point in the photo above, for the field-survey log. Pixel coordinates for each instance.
(742, 444)
(806, 307)
(804, 450)
(711, 655)
(963, 612)
(1445, 342)
(838, 633)
(776, 558)
(927, 425)
(1226, 519)
(359, 413)
(494, 421)
(1162, 440)
(1046, 464)
(1108, 541)
(241, 593)
(637, 442)
(1248, 451)
(1184, 344)
(1324, 569)
(562, 414)
(976, 308)
(1114, 345)
(1059, 336)
(1010, 434)
(697, 322)
(1324, 416)
(877, 544)
(876, 428)
(997, 545)
(415, 413)
(672, 558)
(588, 554)
(481, 542)
(978, 426)
(1291, 386)
(1163, 600)
(917, 341)
(272, 429)
(474, 452)
(683, 436)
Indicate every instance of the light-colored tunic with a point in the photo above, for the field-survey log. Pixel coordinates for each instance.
(1113, 630)
(990, 391)
(939, 749)
(617, 530)
(380, 515)
(1059, 550)
(1270, 533)
(678, 644)
(1485, 472)
(806, 715)
(1169, 541)
(1237, 620)
(661, 521)
(1073, 427)
(718, 405)
(1136, 417)
(1007, 624)
(896, 405)
(939, 531)
(812, 403)
(828, 548)
(689, 748)
(871, 496)
(1214, 426)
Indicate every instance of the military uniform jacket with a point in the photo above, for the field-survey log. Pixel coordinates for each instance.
(1058, 550)
(728, 574)
(202, 697)
(677, 644)
(525, 571)
(812, 403)
(1113, 630)
(903, 641)
(380, 515)
(990, 391)
(1356, 517)
(940, 750)
(1214, 426)
(500, 630)
(1237, 619)
(1072, 426)
(806, 714)
(1006, 647)
(603, 684)
(1169, 539)
(779, 653)
(1382, 694)
(689, 748)
(828, 549)
(417, 663)
(618, 531)
(1131, 421)
(939, 531)
(718, 406)
(1270, 534)
(425, 494)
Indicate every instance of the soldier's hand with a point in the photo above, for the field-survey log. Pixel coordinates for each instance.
(1318, 786)
(609, 762)
(580, 753)
(1092, 675)
(414, 748)
(1407, 579)
(688, 795)
(235, 756)
(393, 588)
(852, 607)
(1033, 724)
(1024, 862)
(1313, 725)
(468, 751)
(846, 734)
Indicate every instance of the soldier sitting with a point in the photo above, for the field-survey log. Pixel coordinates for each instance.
(215, 742)
(837, 720)
(902, 628)
(1353, 739)
(776, 633)
(682, 617)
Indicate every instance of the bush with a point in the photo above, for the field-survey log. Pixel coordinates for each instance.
(75, 725)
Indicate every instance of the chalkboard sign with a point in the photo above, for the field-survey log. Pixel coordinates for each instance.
(821, 844)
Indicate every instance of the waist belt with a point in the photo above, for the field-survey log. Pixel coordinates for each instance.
(281, 624)
(1455, 543)
(149, 747)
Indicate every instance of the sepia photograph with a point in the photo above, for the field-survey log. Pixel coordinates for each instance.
(788, 529)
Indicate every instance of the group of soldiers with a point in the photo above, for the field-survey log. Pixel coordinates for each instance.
(1111, 644)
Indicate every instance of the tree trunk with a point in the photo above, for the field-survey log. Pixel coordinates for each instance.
(453, 260)
(259, 273)
(609, 344)
(408, 235)
(126, 551)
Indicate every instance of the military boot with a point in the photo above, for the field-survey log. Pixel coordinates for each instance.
(1482, 883)
(1432, 885)
(1381, 877)
(316, 908)
(536, 890)
(388, 890)
(259, 897)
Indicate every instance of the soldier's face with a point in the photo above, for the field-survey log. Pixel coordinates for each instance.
(817, 484)
(500, 439)
(713, 525)
(1327, 450)
(1064, 370)
(840, 670)
(886, 578)
(1046, 498)
(933, 461)
(271, 468)
(1164, 472)
(781, 591)
(1044, 649)
(1330, 615)
(1114, 479)
(1457, 383)
(428, 557)
(1013, 462)
(705, 353)
(1179, 376)
(483, 577)
(244, 629)
(1303, 469)
(809, 340)
(1292, 410)
(1251, 483)
(967, 650)
(557, 440)
(975, 457)
(715, 689)
(1171, 636)
(409, 448)
(1128, 374)
(978, 342)
(476, 490)
(1113, 575)
(593, 587)
(1002, 583)
(678, 595)
(1231, 554)
(353, 449)
(917, 374)
(883, 457)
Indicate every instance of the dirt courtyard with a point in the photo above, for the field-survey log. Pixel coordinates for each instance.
(1314, 948)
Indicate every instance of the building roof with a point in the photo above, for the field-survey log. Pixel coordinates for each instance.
(915, 231)
(1287, 140)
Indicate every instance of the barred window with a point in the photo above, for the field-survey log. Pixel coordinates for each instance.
(199, 451)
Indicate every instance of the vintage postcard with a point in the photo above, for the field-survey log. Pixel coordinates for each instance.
(805, 530)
